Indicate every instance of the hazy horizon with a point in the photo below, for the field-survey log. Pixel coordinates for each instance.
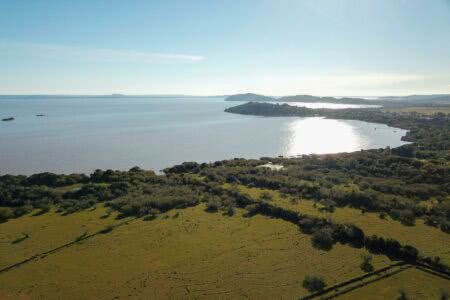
(214, 96)
(208, 48)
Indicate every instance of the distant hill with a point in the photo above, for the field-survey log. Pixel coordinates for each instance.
(249, 97)
(313, 99)
(394, 101)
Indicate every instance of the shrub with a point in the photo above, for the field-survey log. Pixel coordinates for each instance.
(22, 210)
(252, 210)
(445, 226)
(403, 295)
(314, 283)
(213, 204)
(152, 214)
(406, 216)
(366, 264)
(5, 214)
(323, 238)
(229, 211)
(149, 217)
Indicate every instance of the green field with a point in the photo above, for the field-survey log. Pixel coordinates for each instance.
(429, 240)
(417, 285)
(47, 231)
(188, 254)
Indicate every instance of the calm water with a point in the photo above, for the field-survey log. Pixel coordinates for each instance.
(83, 134)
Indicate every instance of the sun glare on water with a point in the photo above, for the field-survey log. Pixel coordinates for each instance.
(307, 135)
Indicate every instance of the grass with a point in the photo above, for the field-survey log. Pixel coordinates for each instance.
(429, 240)
(194, 255)
(47, 231)
(417, 284)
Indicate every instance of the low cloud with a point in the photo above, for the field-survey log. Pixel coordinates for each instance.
(63, 52)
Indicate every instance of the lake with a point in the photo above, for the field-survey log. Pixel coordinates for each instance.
(81, 134)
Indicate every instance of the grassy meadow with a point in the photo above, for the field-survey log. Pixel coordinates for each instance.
(429, 240)
(415, 283)
(48, 231)
(185, 253)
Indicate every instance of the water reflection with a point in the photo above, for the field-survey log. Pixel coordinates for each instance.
(319, 135)
(81, 135)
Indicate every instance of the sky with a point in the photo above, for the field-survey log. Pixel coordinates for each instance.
(204, 47)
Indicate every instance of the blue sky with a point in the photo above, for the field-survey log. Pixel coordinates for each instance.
(275, 47)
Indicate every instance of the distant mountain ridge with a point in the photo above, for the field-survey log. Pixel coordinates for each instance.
(249, 97)
(413, 100)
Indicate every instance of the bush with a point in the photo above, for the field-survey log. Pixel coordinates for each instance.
(213, 205)
(5, 214)
(406, 216)
(403, 295)
(314, 284)
(323, 238)
(229, 211)
(22, 210)
(151, 214)
(366, 264)
(445, 226)
(252, 210)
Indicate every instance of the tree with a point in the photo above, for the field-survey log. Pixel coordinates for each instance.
(403, 295)
(323, 238)
(314, 283)
(213, 204)
(366, 264)
(5, 214)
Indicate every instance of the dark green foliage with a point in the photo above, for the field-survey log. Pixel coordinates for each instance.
(213, 204)
(160, 197)
(323, 238)
(229, 211)
(185, 167)
(391, 248)
(366, 264)
(406, 216)
(54, 180)
(314, 283)
(6, 213)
